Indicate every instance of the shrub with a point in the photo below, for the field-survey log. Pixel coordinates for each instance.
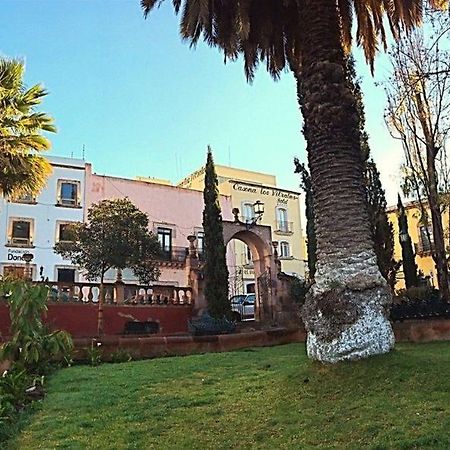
(120, 356)
(94, 353)
(299, 289)
(31, 350)
(31, 346)
(418, 294)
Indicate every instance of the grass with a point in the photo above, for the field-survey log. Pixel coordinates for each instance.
(270, 398)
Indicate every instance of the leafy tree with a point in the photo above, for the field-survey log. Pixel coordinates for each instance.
(216, 271)
(409, 262)
(418, 115)
(312, 37)
(116, 236)
(22, 169)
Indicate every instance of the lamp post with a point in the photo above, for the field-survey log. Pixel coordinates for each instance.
(28, 257)
(258, 209)
(403, 236)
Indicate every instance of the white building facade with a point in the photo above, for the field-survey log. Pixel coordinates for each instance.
(32, 226)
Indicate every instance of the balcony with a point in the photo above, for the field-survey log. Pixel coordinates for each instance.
(423, 248)
(175, 254)
(284, 228)
(20, 242)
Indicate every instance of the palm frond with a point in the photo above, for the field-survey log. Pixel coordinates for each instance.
(22, 170)
(270, 31)
(21, 175)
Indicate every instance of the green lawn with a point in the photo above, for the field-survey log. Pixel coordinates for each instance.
(261, 398)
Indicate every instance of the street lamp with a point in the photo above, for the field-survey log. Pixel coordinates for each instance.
(258, 210)
(403, 236)
(28, 257)
(258, 207)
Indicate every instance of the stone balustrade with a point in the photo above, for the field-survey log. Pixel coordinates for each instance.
(119, 293)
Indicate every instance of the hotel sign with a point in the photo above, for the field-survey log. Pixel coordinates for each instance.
(281, 195)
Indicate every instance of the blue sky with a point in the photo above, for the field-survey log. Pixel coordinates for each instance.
(143, 103)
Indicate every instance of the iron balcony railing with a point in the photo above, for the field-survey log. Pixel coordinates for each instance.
(282, 226)
(174, 254)
(423, 248)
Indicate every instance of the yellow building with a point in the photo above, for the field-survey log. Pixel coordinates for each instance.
(281, 212)
(417, 230)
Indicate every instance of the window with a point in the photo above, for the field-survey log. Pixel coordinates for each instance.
(426, 238)
(200, 241)
(66, 275)
(20, 232)
(248, 213)
(282, 220)
(165, 241)
(68, 193)
(26, 198)
(17, 271)
(285, 251)
(63, 232)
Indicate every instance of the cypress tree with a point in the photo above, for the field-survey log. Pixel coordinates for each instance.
(311, 241)
(409, 262)
(381, 228)
(216, 271)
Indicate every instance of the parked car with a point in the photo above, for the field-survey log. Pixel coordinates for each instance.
(243, 307)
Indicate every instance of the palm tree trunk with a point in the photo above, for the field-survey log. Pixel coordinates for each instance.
(345, 312)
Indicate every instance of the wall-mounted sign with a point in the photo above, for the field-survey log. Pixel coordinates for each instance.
(187, 182)
(16, 254)
(282, 196)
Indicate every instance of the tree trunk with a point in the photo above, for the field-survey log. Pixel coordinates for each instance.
(100, 308)
(345, 312)
(439, 256)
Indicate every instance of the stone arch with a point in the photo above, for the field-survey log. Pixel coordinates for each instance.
(259, 239)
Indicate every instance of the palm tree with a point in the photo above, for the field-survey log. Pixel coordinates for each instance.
(345, 313)
(22, 169)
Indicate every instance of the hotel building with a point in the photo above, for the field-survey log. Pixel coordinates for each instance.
(281, 213)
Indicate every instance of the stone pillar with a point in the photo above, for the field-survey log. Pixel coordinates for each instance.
(275, 256)
(193, 275)
(119, 288)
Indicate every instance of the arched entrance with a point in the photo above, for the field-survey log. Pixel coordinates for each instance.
(258, 238)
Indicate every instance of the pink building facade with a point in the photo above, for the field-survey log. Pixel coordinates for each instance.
(174, 214)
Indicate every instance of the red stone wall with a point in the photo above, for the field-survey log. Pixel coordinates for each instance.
(80, 320)
(4, 319)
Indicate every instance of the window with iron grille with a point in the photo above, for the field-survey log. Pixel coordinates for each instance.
(426, 238)
(282, 220)
(285, 251)
(165, 241)
(248, 211)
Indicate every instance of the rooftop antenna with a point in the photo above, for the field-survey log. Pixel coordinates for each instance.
(84, 151)
(177, 169)
(71, 154)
